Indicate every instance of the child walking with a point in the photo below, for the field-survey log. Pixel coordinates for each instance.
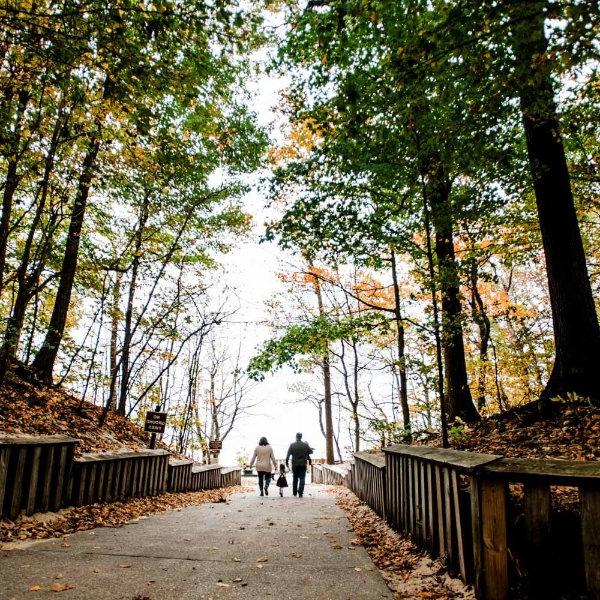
(281, 480)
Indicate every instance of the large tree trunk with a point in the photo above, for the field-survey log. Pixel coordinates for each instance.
(43, 363)
(458, 395)
(401, 345)
(576, 331)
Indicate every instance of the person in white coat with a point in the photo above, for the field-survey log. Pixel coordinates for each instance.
(263, 455)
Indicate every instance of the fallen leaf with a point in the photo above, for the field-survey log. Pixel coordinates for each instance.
(262, 559)
(35, 588)
(61, 587)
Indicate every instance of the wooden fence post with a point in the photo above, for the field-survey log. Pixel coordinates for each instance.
(494, 535)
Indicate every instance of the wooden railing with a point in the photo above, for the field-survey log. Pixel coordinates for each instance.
(34, 473)
(106, 476)
(367, 480)
(180, 475)
(329, 474)
(205, 477)
(458, 506)
(230, 477)
(40, 473)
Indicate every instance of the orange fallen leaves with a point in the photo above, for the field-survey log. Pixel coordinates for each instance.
(111, 514)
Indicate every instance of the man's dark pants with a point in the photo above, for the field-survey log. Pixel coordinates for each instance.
(298, 477)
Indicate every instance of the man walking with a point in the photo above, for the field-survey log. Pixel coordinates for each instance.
(300, 452)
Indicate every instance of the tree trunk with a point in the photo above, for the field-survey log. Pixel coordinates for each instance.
(458, 395)
(128, 334)
(11, 182)
(329, 455)
(43, 363)
(483, 324)
(576, 330)
(401, 344)
(114, 338)
(27, 285)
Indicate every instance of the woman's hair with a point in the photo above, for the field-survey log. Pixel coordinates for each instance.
(263, 441)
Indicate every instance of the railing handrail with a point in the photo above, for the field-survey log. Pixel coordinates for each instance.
(377, 460)
(459, 459)
(550, 470)
(200, 468)
(17, 439)
(119, 455)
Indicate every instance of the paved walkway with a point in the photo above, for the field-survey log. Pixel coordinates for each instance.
(250, 547)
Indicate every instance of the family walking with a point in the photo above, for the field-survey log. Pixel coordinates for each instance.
(263, 456)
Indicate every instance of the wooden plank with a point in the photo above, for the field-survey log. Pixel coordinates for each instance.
(18, 482)
(62, 472)
(18, 439)
(439, 501)
(447, 499)
(476, 537)
(494, 536)
(4, 458)
(458, 525)
(590, 528)
(430, 508)
(34, 475)
(422, 503)
(459, 459)
(550, 471)
(110, 481)
(410, 496)
(377, 460)
(101, 491)
(537, 532)
(49, 464)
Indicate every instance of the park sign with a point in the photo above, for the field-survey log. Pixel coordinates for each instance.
(155, 422)
(215, 444)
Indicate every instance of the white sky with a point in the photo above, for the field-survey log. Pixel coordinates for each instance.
(251, 268)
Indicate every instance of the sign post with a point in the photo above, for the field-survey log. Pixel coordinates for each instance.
(215, 446)
(156, 422)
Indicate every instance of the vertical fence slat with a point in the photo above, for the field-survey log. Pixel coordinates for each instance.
(494, 534)
(590, 529)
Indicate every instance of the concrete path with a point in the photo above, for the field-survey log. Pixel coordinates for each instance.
(250, 547)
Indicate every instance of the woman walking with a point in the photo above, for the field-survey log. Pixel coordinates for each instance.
(263, 455)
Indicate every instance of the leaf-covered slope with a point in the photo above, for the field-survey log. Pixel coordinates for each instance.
(40, 410)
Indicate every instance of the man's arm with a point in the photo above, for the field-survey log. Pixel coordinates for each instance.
(287, 458)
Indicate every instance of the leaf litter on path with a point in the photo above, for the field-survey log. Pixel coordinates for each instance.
(409, 573)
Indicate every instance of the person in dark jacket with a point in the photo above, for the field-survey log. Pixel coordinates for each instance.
(300, 452)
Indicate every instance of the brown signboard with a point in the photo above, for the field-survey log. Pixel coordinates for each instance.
(155, 422)
(215, 444)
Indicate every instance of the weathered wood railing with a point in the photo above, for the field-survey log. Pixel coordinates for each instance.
(205, 477)
(329, 474)
(180, 475)
(457, 505)
(231, 476)
(34, 473)
(106, 476)
(367, 480)
(40, 473)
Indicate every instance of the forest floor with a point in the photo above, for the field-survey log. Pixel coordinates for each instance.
(40, 410)
(570, 431)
